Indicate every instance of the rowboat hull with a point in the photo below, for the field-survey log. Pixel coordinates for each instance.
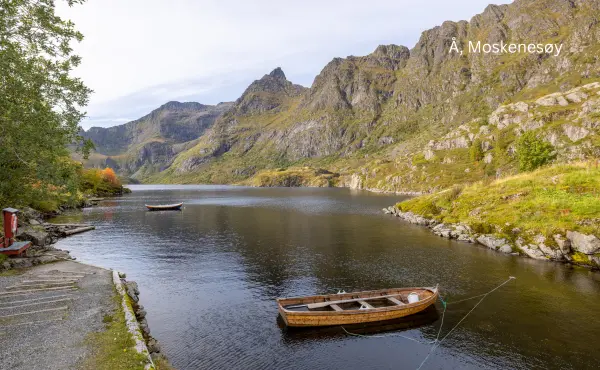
(166, 207)
(328, 317)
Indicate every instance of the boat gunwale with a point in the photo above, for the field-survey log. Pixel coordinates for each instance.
(163, 206)
(426, 301)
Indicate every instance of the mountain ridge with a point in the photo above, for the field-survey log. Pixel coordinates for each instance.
(370, 118)
(152, 141)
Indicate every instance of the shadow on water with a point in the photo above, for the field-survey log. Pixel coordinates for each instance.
(295, 334)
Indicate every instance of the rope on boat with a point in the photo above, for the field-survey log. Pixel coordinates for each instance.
(436, 343)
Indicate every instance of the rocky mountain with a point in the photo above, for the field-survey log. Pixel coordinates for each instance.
(266, 94)
(392, 120)
(149, 144)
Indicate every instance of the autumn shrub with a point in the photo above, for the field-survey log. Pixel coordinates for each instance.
(100, 182)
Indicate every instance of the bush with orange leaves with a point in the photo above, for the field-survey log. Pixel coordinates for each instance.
(109, 175)
(100, 182)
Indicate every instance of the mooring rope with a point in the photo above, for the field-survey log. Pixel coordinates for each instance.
(436, 343)
(386, 336)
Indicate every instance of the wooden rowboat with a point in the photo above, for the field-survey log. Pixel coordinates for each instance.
(354, 308)
(165, 207)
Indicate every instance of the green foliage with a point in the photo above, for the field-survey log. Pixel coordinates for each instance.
(475, 152)
(40, 103)
(45, 206)
(549, 200)
(533, 152)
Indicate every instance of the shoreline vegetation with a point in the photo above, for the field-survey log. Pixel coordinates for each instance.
(548, 214)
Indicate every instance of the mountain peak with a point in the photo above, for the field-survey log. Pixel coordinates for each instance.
(278, 73)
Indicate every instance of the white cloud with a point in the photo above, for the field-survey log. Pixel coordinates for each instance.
(138, 54)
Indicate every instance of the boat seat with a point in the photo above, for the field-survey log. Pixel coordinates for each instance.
(336, 307)
(395, 301)
(363, 303)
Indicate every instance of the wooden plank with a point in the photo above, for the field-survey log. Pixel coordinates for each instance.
(365, 304)
(395, 301)
(336, 307)
(324, 304)
(79, 230)
(67, 225)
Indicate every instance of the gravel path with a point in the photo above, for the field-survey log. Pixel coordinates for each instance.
(47, 312)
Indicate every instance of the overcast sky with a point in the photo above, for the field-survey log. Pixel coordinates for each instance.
(139, 54)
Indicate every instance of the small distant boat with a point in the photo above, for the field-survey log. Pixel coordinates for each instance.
(355, 308)
(165, 207)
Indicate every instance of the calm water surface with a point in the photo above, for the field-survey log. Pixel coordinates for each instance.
(209, 276)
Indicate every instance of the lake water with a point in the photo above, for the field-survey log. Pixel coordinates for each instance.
(209, 276)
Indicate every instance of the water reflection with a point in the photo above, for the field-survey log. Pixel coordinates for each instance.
(389, 328)
(210, 273)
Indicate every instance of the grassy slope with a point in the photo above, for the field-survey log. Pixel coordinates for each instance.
(547, 201)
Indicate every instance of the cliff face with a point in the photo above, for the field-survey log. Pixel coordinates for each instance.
(149, 144)
(371, 118)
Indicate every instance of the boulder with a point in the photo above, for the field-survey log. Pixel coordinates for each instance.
(505, 249)
(45, 259)
(491, 241)
(38, 236)
(442, 230)
(554, 254)
(563, 244)
(153, 346)
(531, 250)
(576, 96)
(575, 133)
(461, 232)
(489, 157)
(140, 312)
(587, 244)
(132, 290)
(20, 262)
(28, 214)
(415, 219)
(552, 99)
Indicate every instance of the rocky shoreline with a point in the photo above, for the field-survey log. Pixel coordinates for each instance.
(152, 344)
(43, 235)
(573, 247)
(32, 227)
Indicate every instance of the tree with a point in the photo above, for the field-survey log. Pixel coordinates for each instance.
(40, 103)
(533, 152)
(475, 152)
